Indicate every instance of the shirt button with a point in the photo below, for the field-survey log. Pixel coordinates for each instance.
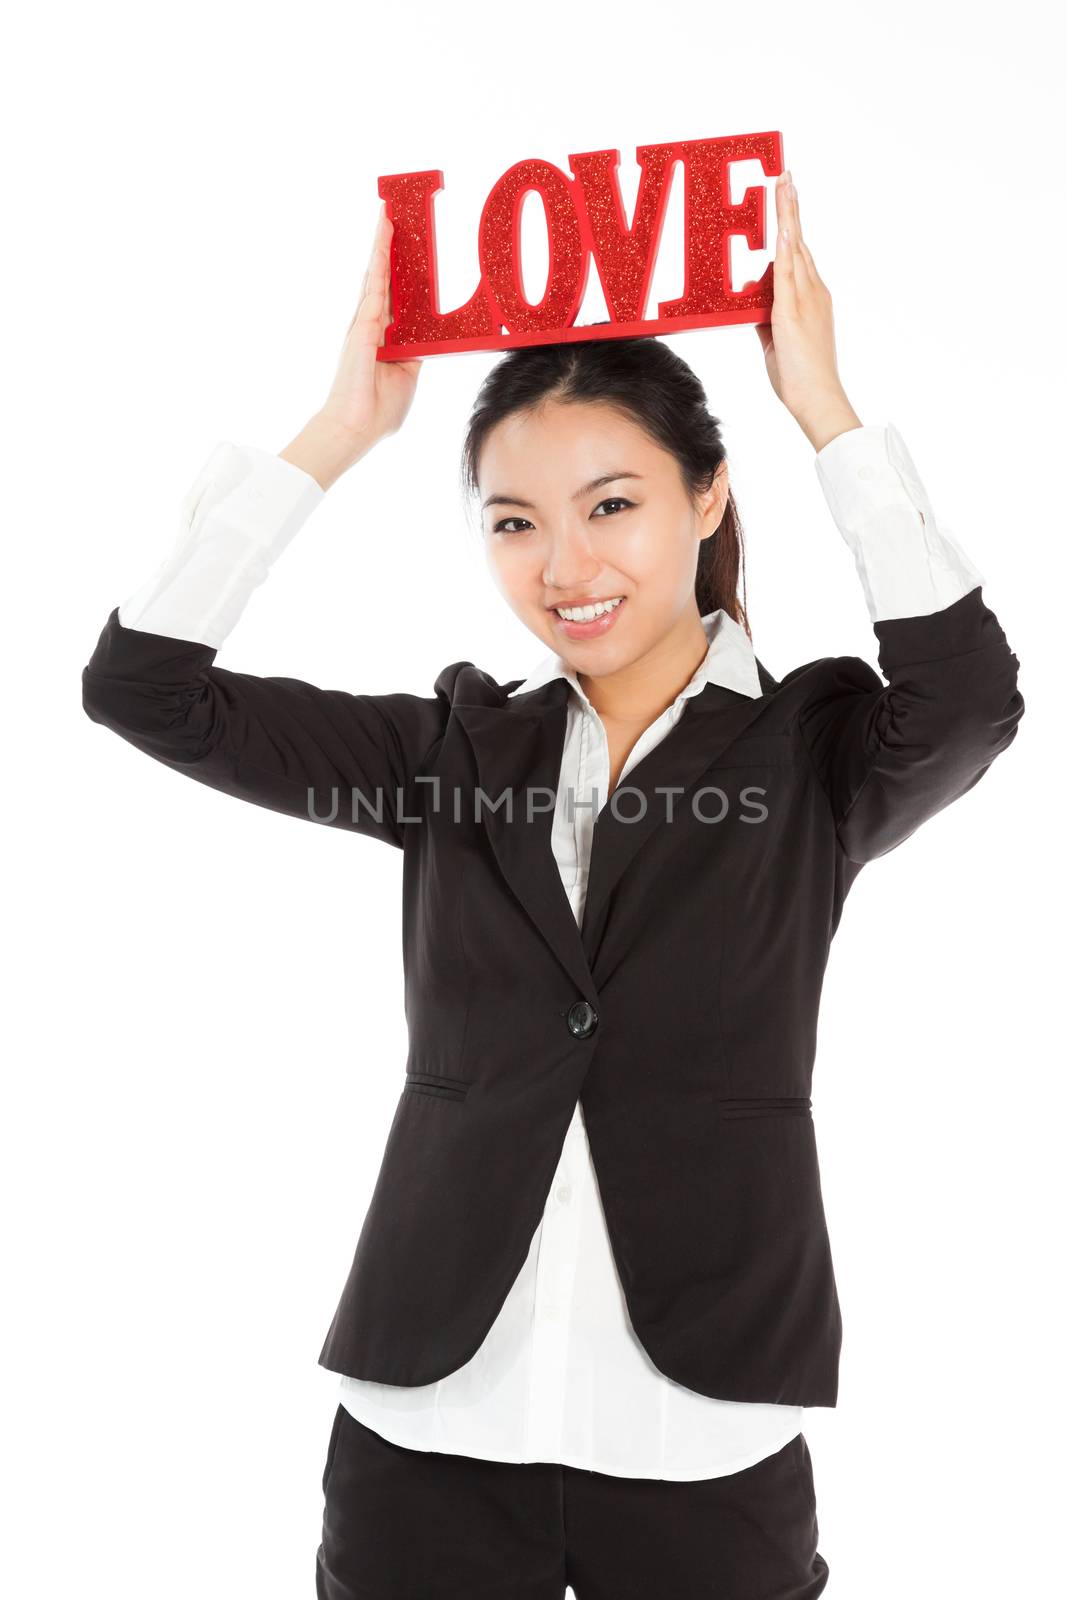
(550, 1313)
(581, 1019)
(865, 472)
(563, 1194)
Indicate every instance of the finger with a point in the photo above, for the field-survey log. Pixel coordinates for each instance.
(796, 231)
(382, 238)
(387, 311)
(381, 282)
(782, 215)
(379, 228)
(802, 274)
(781, 203)
(366, 334)
(812, 270)
(372, 305)
(386, 266)
(811, 278)
(784, 285)
(801, 266)
(792, 208)
(375, 281)
(374, 288)
(360, 301)
(370, 261)
(806, 271)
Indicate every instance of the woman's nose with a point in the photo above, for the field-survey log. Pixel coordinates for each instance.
(571, 562)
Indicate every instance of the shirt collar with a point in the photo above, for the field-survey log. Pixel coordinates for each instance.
(729, 661)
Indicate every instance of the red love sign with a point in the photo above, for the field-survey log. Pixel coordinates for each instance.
(586, 222)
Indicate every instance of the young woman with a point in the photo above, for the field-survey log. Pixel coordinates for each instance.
(593, 1291)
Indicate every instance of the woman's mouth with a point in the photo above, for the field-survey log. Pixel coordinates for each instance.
(577, 624)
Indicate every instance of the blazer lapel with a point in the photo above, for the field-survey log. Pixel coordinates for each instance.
(518, 750)
(711, 721)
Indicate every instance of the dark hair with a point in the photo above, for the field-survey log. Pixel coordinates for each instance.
(659, 391)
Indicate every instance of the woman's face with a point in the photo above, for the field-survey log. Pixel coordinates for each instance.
(579, 504)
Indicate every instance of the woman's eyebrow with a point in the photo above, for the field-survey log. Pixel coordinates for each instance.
(587, 488)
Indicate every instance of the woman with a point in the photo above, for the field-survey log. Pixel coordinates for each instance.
(593, 1291)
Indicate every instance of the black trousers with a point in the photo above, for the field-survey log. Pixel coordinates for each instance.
(404, 1524)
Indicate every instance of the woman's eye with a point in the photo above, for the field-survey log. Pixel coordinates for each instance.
(615, 500)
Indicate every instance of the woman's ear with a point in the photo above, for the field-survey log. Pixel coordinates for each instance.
(714, 501)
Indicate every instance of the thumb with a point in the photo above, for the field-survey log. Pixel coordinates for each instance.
(766, 334)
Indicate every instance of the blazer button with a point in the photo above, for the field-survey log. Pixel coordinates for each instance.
(581, 1019)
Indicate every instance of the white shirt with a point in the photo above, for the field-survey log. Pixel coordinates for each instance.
(560, 1376)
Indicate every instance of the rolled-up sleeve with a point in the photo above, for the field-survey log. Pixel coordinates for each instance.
(908, 563)
(240, 513)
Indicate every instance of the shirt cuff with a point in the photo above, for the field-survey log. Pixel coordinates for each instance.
(241, 511)
(909, 566)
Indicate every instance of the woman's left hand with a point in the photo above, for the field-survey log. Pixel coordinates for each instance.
(798, 344)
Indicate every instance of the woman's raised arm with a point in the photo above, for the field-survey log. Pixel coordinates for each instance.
(887, 755)
(326, 755)
(890, 755)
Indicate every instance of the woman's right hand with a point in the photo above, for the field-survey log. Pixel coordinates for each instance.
(369, 398)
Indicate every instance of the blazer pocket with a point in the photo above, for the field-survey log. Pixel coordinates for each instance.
(789, 1105)
(768, 750)
(436, 1083)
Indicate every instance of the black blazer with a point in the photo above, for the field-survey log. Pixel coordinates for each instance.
(683, 1013)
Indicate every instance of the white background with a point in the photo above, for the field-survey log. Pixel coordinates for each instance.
(206, 1035)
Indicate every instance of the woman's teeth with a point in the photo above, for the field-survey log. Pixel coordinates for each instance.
(587, 613)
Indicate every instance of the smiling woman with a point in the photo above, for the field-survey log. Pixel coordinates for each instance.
(545, 414)
(631, 574)
(593, 1292)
